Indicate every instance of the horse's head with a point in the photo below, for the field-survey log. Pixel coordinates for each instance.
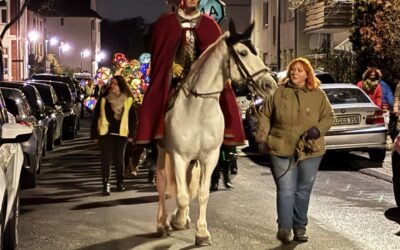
(244, 66)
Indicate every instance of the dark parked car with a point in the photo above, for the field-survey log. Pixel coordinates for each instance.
(52, 109)
(18, 105)
(70, 108)
(46, 119)
(76, 89)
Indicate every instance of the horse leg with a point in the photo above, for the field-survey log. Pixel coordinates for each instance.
(180, 219)
(162, 224)
(203, 237)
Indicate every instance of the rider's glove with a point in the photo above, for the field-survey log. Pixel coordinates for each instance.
(177, 70)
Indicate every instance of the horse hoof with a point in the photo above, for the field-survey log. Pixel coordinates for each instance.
(203, 241)
(162, 232)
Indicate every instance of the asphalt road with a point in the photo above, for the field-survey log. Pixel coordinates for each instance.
(349, 210)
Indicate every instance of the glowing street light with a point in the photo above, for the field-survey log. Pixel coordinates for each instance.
(84, 53)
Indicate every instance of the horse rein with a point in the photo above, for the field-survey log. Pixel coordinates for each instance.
(249, 78)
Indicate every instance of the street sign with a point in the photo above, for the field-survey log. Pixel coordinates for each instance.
(214, 8)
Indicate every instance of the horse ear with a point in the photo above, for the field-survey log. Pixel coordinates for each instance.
(232, 28)
(248, 31)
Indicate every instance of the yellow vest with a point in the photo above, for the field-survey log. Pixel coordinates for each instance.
(103, 123)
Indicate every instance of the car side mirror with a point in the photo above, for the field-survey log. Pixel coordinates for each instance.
(15, 133)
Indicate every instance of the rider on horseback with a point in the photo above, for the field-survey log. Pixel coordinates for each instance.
(178, 40)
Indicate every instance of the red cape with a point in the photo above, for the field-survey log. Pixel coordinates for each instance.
(166, 37)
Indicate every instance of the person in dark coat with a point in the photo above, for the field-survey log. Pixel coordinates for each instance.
(114, 124)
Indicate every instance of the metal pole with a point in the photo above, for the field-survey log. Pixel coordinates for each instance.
(278, 35)
(81, 61)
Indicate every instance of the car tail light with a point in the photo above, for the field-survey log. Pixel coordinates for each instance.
(25, 123)
(376, 118)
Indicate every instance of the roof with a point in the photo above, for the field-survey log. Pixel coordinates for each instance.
(63, 8)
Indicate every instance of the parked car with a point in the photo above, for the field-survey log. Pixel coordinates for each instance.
(323, 76)
(46, 119)
(76, 89)
(17, 104)
(11, 160)
(52, 109)
(396, 170)
(70, 108)
(358, 125)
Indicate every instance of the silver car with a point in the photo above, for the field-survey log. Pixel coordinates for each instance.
(17, 104)
(359, 123)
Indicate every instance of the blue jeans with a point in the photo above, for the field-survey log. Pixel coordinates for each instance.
(294, 189)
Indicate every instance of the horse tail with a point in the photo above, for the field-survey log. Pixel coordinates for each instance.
(193, 179)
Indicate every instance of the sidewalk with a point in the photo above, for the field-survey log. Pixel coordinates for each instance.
(385, 172)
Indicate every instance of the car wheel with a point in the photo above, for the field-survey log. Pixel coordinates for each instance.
(28, 179)
(11, 231)
(396, 177)
(59, 140)
(377, 155)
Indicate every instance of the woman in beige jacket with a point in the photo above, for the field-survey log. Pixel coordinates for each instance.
(292, 127)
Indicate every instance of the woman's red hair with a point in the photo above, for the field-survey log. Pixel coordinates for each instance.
(312, 82)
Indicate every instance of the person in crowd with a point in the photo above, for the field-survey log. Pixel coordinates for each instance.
(370, 84)
(225, 161)
(179, 38)
(89, 88)
(292, 126)
(113, 125)
(387, 110)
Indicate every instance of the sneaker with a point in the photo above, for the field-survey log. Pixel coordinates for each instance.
(284, 235)
(300, 235)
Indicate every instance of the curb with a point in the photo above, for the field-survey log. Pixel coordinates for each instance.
(377, 174)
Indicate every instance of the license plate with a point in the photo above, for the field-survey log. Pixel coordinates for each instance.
(346, 120)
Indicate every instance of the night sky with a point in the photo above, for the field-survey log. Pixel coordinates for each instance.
(150, 10)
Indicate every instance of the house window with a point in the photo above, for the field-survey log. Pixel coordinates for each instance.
(92, 26)
(5, 60)
(3, 15)
(34, 23)
(265, 13)
(62, 21)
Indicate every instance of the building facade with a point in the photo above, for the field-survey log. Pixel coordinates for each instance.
(291, 33)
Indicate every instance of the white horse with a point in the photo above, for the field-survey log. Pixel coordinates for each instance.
(194, 128)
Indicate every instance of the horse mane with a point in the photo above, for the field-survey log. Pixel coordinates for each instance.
(197, 67)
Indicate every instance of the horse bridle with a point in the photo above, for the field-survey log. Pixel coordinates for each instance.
(249, 78)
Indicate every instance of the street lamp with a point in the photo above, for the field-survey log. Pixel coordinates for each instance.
(84, 53)
(64, 47)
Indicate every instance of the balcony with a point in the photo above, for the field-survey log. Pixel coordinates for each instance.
(323, 18)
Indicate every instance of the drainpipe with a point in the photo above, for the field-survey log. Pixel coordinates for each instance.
(278, 35)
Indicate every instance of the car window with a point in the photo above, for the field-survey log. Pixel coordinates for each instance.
(45, 94)
(63, 92)
(12, 107)
(325, 78)
(346, 95)
(57, 78)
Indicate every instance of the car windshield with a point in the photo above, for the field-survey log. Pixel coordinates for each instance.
(346, 95)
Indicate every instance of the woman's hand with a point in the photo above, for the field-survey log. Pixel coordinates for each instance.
(130, 139)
